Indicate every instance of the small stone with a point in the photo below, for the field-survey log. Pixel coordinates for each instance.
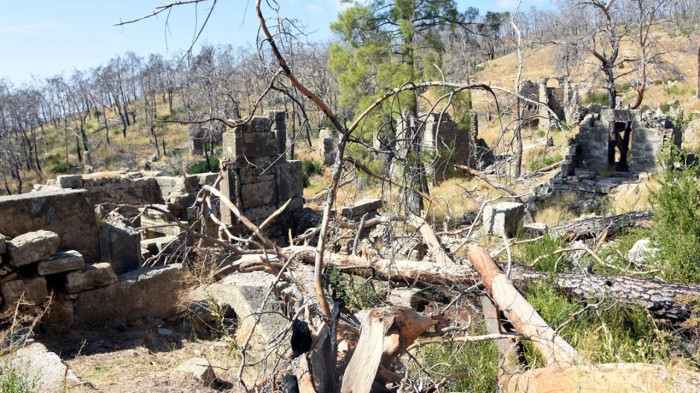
(199, 368)
(503, 218)
(197, 353)
(65, 261)
(43, 366)
(32, 247)
(165, 332)
(94, 276)
(641, 252)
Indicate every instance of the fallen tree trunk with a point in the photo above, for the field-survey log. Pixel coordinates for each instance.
(663, 299)
(592, 227)
(554, 350)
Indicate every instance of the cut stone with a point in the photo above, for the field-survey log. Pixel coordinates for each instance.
(94, 276)
(200, 369)
(503, 218)
(32, 290)
(120, 243)
(64, 261)
(43, 366)
(70, 181)
(359, 208)
(152, 291)
(32, 247)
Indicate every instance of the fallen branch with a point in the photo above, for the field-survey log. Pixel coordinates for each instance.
(589, 228)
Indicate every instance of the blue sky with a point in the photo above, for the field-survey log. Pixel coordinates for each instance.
(42, 38)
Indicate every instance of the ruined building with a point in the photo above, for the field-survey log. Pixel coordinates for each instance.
(257, 176)
(619, 140)
(440, 135)
(556, 94)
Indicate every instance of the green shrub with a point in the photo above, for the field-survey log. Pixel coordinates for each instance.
(308, 168)
(606, 333)
(201, 166)
(13, 381)
(63, 168)
(676, 222)
(596, 97)
(665, 108)
(356, 296)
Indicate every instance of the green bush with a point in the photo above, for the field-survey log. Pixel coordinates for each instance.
(356, 296)
(201, 166)
(676, 222)
(528, 252)
(596, 97)
(308, 168)
(13, 381)
(63, 168)
(543, 162)
(606, 333)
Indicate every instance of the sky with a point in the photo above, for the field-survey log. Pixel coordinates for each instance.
(43, 38)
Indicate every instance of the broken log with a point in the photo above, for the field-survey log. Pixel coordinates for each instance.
(592, 227)
(604, 378)
(436, 251)
(554, 350)
(663, 299)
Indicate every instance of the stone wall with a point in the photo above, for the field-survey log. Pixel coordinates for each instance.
(562, 100)
(69, 213)
(132, 188)
(201, 135)
(257, 177)
(621, 140)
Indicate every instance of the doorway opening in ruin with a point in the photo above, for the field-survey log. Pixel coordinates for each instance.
(552, 83)
(619, 145)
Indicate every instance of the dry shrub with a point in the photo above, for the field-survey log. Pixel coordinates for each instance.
(554, 215)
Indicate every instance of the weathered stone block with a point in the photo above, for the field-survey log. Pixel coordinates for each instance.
(233, 146)
(290, 181)
(260, 194)
(250, 175)
(120, 243)
(359, 208)
(70, 181)
(3, 244)
(60, 313)
(200, 369)
(69, 213)
(152, 291)
(258, 144)
(37, 363)
(32, 247)
(65, 261)
(503, 218)
(94, 276)
(32, 290)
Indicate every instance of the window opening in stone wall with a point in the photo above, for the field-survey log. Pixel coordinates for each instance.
(619, 146)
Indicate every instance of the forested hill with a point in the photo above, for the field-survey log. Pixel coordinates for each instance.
(135, 112)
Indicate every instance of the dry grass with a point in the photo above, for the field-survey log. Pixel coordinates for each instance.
(554, 215)
(633, 197)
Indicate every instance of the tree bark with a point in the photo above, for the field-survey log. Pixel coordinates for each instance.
(662, 299)
(592, 227)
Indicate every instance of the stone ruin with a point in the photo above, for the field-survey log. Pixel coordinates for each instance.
(325, 137)
(555, 94)
(257, 176)
(619, 141)
(89, 242)
(200, 135)
(440, 135)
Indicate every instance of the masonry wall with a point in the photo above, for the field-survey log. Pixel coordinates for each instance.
(258, 179)
(69, 213)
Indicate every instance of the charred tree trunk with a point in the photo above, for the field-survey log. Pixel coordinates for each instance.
(593, 227)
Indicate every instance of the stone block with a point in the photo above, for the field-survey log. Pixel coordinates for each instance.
(120, 243)
(37, 363)
(152, 291)
(94, 276)
(503, 218)
(3, 244)
(64, 261)
(290, 181)
(161, 244)
(70, 181)
(359, 208)
(260, 194)
(69, 213)
(32, 290)
(250, 175)
(233, 146)
(60, 313)
(200, 369)
(32, 247)
(259, 124)
(258, 144)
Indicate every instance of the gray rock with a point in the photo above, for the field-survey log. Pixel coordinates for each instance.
(64, 261)
(165, 332)
(70, 181)
(3, 244)
(120, 243)
(535, 229)
(503, 218)
(44, 367)
(359, 208)
(152, 291)
(200, 369)
(32, 290)
(32, 247)
(60, 313)
(641, 252)
(94, 276)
